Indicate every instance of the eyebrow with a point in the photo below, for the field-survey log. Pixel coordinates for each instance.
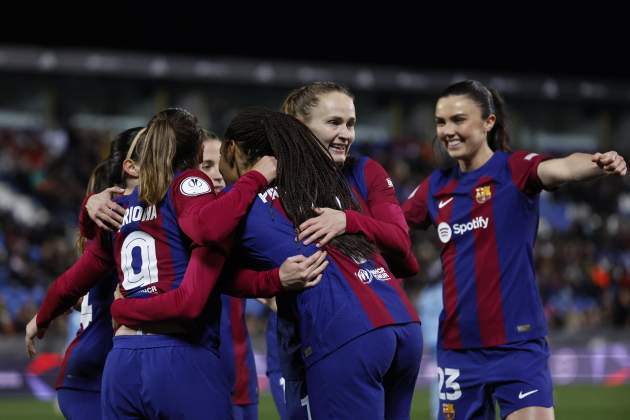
(461, 114)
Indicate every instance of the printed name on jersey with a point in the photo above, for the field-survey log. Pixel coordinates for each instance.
(194, 185)
(445, 232)
(269, 195)
(368, 275)
(139, 214)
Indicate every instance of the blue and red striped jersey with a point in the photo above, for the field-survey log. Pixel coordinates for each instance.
(237, 355)
(487, 220)
(381, 220)
(352, 298)
(152, 249)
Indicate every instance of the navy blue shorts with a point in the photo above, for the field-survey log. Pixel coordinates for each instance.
(514, 375)
(76, 404)
(157, 376)
(245, 412)
(371, 377)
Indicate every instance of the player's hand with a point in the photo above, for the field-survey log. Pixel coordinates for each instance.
(32, 332)
(611, 163)
(117, 293)
(103, 211)
(269, 302)
(299, 272)
(329, 224)
(267, 165)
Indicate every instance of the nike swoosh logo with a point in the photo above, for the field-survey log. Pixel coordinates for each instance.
(445, 202)
(522, 395)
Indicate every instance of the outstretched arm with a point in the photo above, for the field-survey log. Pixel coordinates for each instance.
(580, 167)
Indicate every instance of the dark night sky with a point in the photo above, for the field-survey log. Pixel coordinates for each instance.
(525, 38)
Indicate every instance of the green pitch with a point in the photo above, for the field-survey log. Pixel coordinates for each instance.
(578, 402)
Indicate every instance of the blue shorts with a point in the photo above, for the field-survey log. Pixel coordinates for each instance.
(276, 385)
(514, 375)
(245, 412)
(157, 376)
(371, 377)
(76, 404)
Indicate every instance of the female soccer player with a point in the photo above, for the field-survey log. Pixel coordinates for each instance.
(79, 380)
(327, 109)
(492, 344)
(236, 346)
(165, 370)
(358, 336)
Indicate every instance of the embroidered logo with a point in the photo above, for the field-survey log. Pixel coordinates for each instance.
(483, 194)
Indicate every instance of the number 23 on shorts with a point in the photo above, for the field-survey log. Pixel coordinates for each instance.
(448, 388)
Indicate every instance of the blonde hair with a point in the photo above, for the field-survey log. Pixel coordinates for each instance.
(172, 142)
(299, 102)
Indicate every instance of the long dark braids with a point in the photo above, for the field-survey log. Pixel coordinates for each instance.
(307, 176)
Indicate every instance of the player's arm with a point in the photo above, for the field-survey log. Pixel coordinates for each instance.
(184, 303)
(93, 266)
(296, 273)
(99, 210)
(209, 219)
(204, 269)
(387, 228)
(580, 167)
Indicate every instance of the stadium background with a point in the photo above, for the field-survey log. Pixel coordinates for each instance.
(65, 91)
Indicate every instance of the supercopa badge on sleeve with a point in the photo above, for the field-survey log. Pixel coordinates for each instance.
(194, 185)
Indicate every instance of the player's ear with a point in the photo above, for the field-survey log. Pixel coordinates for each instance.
(130, 168)
(228, 152)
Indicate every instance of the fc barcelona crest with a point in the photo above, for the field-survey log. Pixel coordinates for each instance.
(483, 194)
(448, 409)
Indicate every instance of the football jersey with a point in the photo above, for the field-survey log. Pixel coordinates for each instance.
(487, 220)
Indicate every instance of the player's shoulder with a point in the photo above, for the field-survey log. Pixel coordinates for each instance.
(191, 182)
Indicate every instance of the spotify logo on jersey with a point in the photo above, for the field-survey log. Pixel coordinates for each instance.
(444, 232)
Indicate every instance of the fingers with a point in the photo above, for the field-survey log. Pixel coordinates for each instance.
(319, 269)
(30, 348)
(315, 267)
(117, 212)
(102, 225)
(313, 282)
(313, 259)
(316, 234)
(329, 237)
(306, 224)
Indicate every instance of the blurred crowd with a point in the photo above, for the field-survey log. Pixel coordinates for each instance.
(582, 254)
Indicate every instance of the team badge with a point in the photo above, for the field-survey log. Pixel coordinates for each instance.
(193, 185)
(483, 194)
(448, 409)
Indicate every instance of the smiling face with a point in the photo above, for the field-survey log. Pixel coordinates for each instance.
(332, 121)
(462, 130)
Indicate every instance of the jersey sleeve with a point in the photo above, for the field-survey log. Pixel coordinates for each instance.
(207, 218)
(93, 266)
(386, 227)
(244, 282)
(524, 170)
(416, 207)
(87, 227)
(204, 271)
(184, 303)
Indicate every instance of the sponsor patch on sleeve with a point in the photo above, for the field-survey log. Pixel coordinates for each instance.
(390, 184)
(193, 185)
